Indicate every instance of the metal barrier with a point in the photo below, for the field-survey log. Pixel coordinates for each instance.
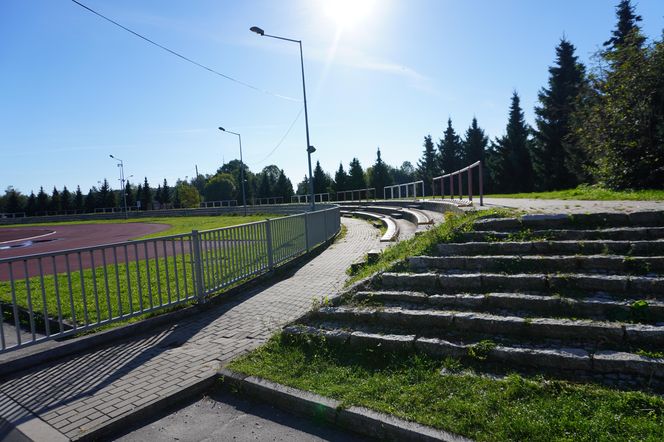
(12, 215)
(53, 295)
(268, 200)
(367, 194)
(459, 173)
(407, 187)
(224, 203)
(319, 198)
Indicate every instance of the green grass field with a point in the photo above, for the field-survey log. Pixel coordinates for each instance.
(179, 224)
(411, 386)
(589, 193)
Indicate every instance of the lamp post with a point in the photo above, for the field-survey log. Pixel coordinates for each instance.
(239, 137)
(122, 183)
(310, 149)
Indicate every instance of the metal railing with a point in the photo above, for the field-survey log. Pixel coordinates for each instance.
(319, 198)
(368, 192)
(12, 215)
(223, 203)
(53, 295)
(268, 200)
(477, 165)
(406, 187)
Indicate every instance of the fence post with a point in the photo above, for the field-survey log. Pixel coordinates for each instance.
(481, 185)
(268, 238)
(306, 230)
(198, 267)
(470, 183)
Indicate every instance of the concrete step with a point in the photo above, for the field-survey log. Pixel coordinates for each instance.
(441, 323)
(623, 369)
(522, 304)
(592, 247)
(575, 221)
(652, 265)
(613, 234)
(631, 287)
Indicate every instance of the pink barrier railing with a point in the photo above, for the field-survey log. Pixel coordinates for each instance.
(459, 174)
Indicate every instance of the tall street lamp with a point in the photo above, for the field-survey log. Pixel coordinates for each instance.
(239, 137)
(310, 149)
(122, 182)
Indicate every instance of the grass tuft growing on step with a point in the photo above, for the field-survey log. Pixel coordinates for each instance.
(425, 243)
(412, 387)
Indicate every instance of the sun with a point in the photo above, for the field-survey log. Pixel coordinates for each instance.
(347, 13)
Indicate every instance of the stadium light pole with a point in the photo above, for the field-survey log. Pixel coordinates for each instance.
(122, 182)
(239, 137)
(310, 149)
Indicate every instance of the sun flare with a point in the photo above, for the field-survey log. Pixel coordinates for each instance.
(347, 13)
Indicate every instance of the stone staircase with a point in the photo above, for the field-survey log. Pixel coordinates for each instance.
(575, 297)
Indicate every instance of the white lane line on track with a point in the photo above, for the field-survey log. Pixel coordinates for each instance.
(29, 238)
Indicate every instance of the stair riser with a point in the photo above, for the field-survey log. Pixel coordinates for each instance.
(515, 264)
(436, 323)
(638, 248)
(628, 287)
(592, 220)
(534, 305)
(639, 234)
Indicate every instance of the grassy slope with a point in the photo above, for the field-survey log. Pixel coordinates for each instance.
(589, 193)
(411, 386)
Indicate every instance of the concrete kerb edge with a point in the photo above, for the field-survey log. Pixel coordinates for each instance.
(356, 419)
(146, 411)
(32, 356)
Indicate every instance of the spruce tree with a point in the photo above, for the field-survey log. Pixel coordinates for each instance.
(264, 190)
(627, 24)
(512, 168)
(129, 194)
(90, 203)
(146, 195)
(31, 206)
(13, 204)
(475, 144)
(165, 193)
(340, 179)
(79, 204)
(42, 202)
(380, 176)
(55, 204)
(283, 187)
(451, 150)
(356, 176)
(65, 199)
(427, 166)
(557, 153)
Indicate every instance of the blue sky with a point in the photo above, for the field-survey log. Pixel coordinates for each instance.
(379, 73)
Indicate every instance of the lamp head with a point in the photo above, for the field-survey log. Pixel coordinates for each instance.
(311, 149)
(257, 30)
(112, 156)
(222, 129)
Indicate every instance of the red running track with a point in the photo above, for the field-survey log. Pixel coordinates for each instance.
(21, 241)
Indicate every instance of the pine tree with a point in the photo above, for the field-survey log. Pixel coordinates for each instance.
(451, 150)
(475, 143)
(427, 166)
(340, 179)
(139, 194)
(165, 193)
(65, 198)
(322, 180)
(627, 25)
(557, 153)
(90, 202)
(356, 176)
(264, 190)
(42, 202)
(78, 199)
(13, 204)
(158, 196)
(380, 176)
(146, 195)
(512, 168)
(55, 204)
(31, 206)
(283, 187)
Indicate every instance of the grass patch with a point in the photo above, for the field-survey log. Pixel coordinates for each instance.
(178, 224)
(586, 192)
(411, 387)
(425, 243)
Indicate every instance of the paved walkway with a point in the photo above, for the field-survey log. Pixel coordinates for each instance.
(78, 394)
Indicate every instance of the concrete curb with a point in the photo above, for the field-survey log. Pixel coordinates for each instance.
(357, 419)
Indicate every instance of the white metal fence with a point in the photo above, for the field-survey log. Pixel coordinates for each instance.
(52, 295)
